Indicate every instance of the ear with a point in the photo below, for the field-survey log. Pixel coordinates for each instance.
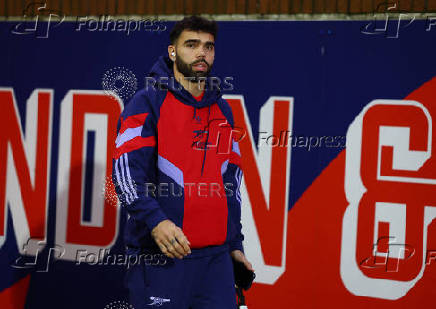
(172, 52)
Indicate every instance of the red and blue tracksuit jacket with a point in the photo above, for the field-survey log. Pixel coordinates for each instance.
(176, 158)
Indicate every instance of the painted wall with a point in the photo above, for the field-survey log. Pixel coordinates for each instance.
(339, 166)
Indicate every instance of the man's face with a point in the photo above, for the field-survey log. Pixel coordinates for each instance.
(195, 53)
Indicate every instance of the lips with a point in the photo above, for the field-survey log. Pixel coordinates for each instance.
(200, 66)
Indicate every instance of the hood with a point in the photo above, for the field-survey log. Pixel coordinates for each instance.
(162, 72)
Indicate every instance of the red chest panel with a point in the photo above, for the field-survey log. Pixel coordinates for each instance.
(181, 141)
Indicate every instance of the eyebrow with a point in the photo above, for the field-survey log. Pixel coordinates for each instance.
(198, 41)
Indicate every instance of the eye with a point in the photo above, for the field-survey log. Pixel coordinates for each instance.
(190, 45)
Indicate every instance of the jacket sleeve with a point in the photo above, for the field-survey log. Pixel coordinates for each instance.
(134, 161)
(233, 175)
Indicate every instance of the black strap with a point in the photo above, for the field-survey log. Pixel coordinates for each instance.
(241, 298)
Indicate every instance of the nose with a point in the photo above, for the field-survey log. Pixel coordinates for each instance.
(201, 53)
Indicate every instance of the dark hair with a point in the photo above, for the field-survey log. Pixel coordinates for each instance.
(194, 23)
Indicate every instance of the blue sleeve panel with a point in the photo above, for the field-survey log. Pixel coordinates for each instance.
(134, 162)
(233, 177)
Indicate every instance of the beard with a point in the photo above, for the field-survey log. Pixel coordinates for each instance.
(187, 69)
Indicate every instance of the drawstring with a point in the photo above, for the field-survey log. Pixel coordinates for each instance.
(207, 139)
(195, 112)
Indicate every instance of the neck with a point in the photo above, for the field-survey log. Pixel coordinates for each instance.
(194, 88)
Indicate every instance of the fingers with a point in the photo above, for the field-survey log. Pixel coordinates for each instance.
(171, 246)
(183, 242)
(248, 265)
(238, 255)
(167, 248)
(179, 245)
(178, 248)
(164, 249)
(172, 242)
(242, 258)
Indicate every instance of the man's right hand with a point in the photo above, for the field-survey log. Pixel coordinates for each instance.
(171, 240)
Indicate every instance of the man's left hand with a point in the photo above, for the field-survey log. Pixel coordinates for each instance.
(239, 256)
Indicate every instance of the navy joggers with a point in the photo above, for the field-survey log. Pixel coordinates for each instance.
(202, 280)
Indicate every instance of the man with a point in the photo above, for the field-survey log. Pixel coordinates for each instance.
(178, 183)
